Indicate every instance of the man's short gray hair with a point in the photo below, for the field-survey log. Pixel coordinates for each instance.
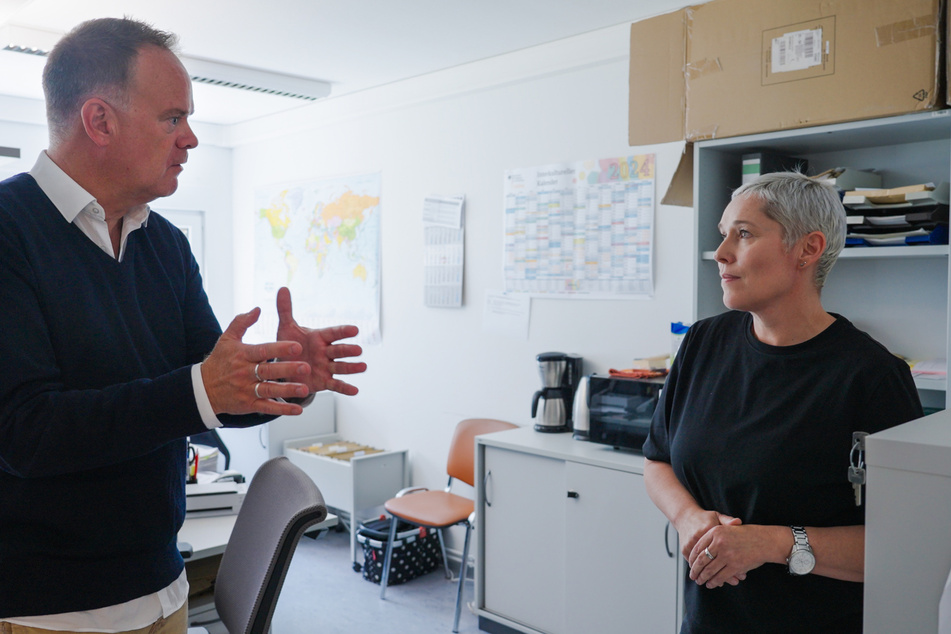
(96, 57)
(802, 205)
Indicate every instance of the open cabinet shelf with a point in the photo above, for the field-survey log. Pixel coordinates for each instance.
(898, 294)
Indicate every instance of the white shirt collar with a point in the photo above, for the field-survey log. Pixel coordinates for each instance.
(68, 196)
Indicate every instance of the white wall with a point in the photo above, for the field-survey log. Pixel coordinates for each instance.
(456, 132)
(30, 138)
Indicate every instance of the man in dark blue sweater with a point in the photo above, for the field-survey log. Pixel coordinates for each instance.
(111, 353)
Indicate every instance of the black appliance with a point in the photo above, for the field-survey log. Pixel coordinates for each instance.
(620, 410)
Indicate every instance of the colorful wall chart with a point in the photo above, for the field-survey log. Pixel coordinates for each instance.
(581, 229)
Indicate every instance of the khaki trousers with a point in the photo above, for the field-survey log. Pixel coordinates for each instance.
(175, 624)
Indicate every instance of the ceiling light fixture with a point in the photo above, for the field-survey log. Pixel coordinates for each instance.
(244, 78)
(21, 39)
(16, 48)
(37, 42)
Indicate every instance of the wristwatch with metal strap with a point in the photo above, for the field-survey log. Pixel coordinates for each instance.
(801, 560)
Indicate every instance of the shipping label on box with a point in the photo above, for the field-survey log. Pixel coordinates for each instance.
(799, 51)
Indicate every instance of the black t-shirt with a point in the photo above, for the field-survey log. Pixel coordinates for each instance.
(764, 433)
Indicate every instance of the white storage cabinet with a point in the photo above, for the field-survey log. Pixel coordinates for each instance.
(568, 541)
(908, 521)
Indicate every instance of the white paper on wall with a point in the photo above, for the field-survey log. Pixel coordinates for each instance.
(443, 250)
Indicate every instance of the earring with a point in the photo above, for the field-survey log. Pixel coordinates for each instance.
(802, 264)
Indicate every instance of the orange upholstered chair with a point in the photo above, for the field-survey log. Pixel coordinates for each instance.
(440, 509)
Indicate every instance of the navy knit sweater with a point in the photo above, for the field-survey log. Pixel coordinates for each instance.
(95, 400)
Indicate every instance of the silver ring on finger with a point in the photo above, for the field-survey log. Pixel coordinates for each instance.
(706, 551)
(257, 386)
(256, 375)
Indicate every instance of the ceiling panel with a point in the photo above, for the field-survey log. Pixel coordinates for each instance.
(354, 45)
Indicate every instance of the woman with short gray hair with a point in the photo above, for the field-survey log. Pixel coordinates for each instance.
(749, 449)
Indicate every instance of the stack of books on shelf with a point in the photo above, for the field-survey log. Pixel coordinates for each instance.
(916, 214)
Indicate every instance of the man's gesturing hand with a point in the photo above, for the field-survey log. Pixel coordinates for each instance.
(319, 350)
(238, 381)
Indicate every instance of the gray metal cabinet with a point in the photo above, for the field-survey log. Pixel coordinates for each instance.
(567, 539)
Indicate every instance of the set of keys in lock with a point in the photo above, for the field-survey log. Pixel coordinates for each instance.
(857, 464)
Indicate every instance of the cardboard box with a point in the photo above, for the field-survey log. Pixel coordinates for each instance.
(657, 103)
(757, 67)
(874, 58)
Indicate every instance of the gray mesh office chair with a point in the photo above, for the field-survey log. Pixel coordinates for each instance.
(281, 503)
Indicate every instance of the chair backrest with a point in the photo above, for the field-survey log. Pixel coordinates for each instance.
(461, 465)
(281, 502)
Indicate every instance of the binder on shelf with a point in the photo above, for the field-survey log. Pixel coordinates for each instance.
(756, 164)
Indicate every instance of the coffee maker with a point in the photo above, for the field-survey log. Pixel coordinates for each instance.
(560, 374)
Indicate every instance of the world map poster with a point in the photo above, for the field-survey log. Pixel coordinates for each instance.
(321, 239)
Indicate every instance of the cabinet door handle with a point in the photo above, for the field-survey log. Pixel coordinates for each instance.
(574, 494)
(670, 553)
(485, 488)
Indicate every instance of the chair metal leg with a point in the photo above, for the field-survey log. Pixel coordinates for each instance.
(442, 549)
(462, 577)
(389, 555)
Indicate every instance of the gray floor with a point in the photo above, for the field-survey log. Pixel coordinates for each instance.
(322, 593)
